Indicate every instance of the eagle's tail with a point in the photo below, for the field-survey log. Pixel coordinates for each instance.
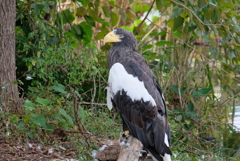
(157, 157)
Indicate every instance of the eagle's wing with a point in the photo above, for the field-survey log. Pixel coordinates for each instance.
(134, 91)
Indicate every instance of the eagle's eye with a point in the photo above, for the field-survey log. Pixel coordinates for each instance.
(121, 36)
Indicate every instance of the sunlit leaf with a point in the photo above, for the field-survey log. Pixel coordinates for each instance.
(130, 14)
(43, 101)
(83, 2)
(59, 88)
(163, 42)
(141, 8)
(29, 105)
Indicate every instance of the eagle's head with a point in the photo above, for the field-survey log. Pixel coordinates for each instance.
(121, 38)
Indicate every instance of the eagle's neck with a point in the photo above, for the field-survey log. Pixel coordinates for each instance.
(116, 52)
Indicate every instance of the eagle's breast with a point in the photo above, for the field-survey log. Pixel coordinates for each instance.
(119, 79)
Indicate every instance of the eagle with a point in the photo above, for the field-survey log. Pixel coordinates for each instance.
(135, 93)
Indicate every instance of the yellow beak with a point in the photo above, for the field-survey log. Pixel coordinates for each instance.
(111, 37)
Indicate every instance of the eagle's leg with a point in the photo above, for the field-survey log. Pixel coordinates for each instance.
(127, 132)
(125, 129)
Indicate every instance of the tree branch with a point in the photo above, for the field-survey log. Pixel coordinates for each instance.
(145, 17)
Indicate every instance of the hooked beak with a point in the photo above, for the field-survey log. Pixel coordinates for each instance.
(111, 37)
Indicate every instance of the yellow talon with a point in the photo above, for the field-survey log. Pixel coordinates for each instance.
(126, 132)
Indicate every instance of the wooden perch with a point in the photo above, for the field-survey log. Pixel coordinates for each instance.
(130, 150)
(125, 149)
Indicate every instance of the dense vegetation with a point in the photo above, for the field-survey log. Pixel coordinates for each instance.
(192, 46)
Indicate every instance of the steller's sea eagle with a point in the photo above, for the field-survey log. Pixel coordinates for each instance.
(135, 93)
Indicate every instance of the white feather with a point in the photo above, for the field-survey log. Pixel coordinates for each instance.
(166, 140)
(166, 157)
(103, 147)
(109, 102)
(119, 80)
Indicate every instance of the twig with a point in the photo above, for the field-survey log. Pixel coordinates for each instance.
(228, 99)
(90, 103)
(80, 126)
(144, 17)
(94, 92)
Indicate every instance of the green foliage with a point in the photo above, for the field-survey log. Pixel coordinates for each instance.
(192, 46)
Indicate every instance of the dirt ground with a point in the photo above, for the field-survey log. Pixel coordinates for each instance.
(10, 150)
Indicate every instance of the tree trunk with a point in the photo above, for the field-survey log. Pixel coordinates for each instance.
(9, 97)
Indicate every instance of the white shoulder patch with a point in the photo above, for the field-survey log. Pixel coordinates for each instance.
(119, 80)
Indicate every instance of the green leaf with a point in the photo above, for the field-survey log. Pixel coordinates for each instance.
(141, 8)
(50, 107)
(177, 90)
(178, 22)
(87, 30)
(59, 88)
(159, 5)
(179, 117)
(50, 129)
(100, 35)
(29, 105)
(103, 22)
(150, 56)
(63, 112)
(106, 11)
(190, 112)
(163, 42)
(123, 14)
(43, 101)
(201, 92)
(37, 8)
(76, 32)
(39, 119)
(90, 20)
(30, 134)
(46, 7)
(82, 114)
(130, 14)
(114, 18)
(83, 2)
(190, 107)
(146, 47)
(177, 11)
(67, 16)
(38, 123)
